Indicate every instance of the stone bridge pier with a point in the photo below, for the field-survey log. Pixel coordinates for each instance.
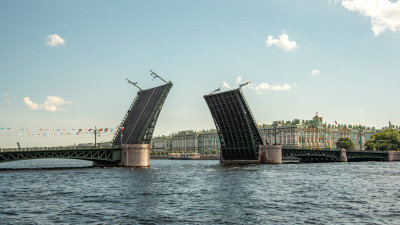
(342, 155)
(393, 156)
(135, 155)
(270, 154)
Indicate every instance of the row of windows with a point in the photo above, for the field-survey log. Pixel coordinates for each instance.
(291, 137)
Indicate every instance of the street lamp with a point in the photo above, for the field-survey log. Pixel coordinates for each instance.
(378, 143)
(275, 130)
(122, 129)
(95, 137)
(391, 141)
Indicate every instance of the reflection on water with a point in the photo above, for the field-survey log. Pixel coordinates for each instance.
(45, 163)
(199, 192)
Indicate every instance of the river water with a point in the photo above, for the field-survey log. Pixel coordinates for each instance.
(200, 192)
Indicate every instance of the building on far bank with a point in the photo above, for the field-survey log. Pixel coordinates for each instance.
(308, 134)
(161, 143)
(186, 141)
(209, 141)
(314, 134)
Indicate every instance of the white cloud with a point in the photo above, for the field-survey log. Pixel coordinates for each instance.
(226, 85)
(4, 98)
(334, 1)
(239, 80)
(259, 88)
(315, 72)
(384, 14)
(283, 43)
(30, 104)
(265, 86)
(54, 40)
(362, 111)
(51, 104)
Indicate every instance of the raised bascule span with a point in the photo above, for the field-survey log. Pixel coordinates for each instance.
(236, 127)
(140, 120)
(241, 142)
(130, 145)
(237, 130)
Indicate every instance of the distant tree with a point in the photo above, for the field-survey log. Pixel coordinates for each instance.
(214, 151)
(206, 152)
(345, 143)
(370, 145)
(386, 140)
(383, 146)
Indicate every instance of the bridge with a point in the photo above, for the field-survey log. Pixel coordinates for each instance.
(130, 145)
(104, 155)
(335, 155)
(237, 130)
(241, 142)
(236, 127)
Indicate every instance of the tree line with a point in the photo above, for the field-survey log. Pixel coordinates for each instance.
(385, 140)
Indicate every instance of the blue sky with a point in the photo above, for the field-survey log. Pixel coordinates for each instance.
(80, 52)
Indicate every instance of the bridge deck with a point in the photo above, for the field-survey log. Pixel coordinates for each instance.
(236, 127)
(141, 117)
(333, 154)
(102, 154)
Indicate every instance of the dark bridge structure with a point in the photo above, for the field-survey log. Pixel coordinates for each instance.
(103, 155)
(130, 145)
(141, 117)
(241, 141)
(235, 124)
(335, 155)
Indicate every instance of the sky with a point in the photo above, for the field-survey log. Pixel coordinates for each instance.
(63, 64)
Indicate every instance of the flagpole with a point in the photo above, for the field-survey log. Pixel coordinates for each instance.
(121, 129)
(95, 135)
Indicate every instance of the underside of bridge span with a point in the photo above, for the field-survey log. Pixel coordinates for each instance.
(236, 127)
(137, 127)
(141, 117)
(130, 145)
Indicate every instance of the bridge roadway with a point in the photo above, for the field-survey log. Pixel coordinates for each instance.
(325, 155)
(102, 155)
(112, 155)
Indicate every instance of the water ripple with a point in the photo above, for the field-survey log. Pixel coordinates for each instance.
(200, 192)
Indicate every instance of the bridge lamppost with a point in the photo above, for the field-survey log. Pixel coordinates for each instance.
(378, 143)
(121, 129)
(95, 136)
(391, 141)
(275, 125)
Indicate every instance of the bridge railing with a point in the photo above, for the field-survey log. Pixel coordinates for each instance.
(61, 148)
(329, 149)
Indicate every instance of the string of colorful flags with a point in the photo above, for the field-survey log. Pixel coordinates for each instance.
(52, 131)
